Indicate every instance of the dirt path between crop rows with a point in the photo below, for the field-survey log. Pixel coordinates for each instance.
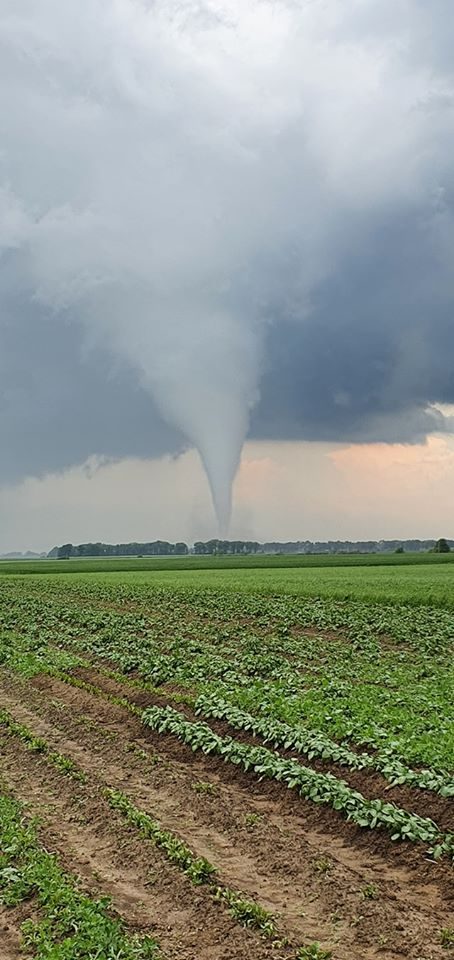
(10, 921)
(93, 843)
(299, 861)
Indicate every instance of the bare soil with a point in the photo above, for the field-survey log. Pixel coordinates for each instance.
(10, 921)
(325, 880)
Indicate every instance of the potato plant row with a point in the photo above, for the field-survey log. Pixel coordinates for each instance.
(318, 787)
(30, 656)
(314, 744)
(377, 675)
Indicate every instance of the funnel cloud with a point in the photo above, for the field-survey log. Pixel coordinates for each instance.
(220, 220)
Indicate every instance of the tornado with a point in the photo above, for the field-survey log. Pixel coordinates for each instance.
(205, 383)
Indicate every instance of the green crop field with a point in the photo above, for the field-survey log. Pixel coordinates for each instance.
(246, 562)
(270, 739)
(421, 579)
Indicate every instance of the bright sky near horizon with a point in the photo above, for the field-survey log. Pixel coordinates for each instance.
(283, 491)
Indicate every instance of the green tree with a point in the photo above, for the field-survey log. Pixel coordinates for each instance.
(181, 549)
(442, 546)
(65, 551)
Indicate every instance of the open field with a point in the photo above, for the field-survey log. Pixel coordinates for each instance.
(235, 562)
(250, 763)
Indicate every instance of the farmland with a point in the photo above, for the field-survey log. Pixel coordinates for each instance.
(249, 761)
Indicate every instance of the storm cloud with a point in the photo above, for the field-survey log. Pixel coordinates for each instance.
(221, 219)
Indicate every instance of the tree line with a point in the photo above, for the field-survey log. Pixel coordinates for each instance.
(226, 547)
(162, 548)
(154, 548)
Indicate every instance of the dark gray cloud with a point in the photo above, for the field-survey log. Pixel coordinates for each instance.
(206, 203)
(63, 400)
(376, 350)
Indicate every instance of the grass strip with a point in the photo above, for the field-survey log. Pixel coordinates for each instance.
(198, 869)
(30, 655)
(138, 684)
(70, 925)
(73, 681)
(38, 745)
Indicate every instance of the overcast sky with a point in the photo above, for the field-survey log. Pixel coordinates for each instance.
(220, 221)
